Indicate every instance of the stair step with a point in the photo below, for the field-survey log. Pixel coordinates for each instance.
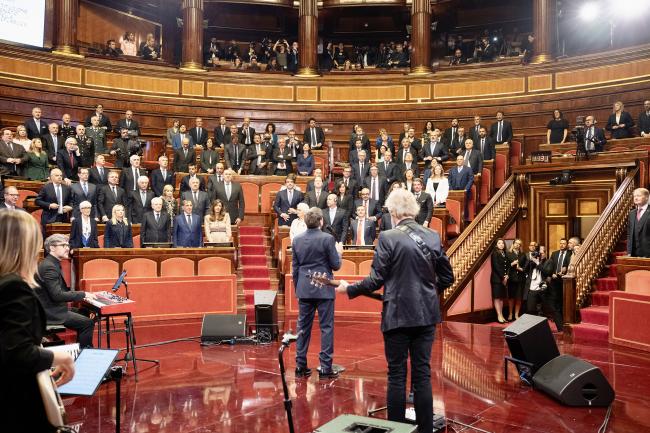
(611, 270)
(251, 230)
(588, 332)
(246, 250)
(606, 283)
(251, 240)
(595, 315)
(600, 298)
(257, 284)
(255, 272)
(254, 260)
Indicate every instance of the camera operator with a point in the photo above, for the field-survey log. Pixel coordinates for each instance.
(535, 293)
(594, 137)
(123, 147)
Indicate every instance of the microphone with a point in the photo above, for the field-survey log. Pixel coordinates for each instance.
(288, 337)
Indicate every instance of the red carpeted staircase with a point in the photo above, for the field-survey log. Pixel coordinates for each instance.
(255, 257)
(594, 325)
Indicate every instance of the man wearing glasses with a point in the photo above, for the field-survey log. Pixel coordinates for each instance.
(11, 199)
(55, 294)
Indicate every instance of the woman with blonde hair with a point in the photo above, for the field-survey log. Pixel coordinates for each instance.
(170, 204)
(438, 186)
(217, 224)
(22, 325)
(620, 122)
(37, 167)
(22, 138)
(117, 232)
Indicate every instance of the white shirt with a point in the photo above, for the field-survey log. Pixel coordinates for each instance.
(85, 226)
(297, 226)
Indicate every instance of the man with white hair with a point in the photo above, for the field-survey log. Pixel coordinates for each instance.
(35, 125)
(232, 195)
(11, 199)
(139, 201)
(130, 176)
(200, 200)
(156, 225)
(298, 225)
(68, 160)
(184, 156)
(317, 197)
(410, 264)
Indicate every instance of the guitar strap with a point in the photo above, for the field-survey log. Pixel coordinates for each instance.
(404, 228)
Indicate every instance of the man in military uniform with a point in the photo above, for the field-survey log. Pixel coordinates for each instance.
(98, 135)
(66, 129)
(86, 147)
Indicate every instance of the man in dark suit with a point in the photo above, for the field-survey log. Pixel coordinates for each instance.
(177, 139)
(221, 133)
(234, 154)
(200, 200)
(258, 154)
(123, 147)
(104, 121)
(282, 160)
(409, 163)
(187, 228)
(184, 156)
(416, 143)
(139, 201)
(376, 184)
(638, 226)
(99, 173)
(363, 230)
(286, 201)
(372, 207)
(12, 156)
(317, 173)
(644, 120)
(460, 177)
(388, 169)
(83, 191)
(594, 136)
(155, 225)
(451, 133)
(335, 220)
(315, 251)
(110, 195)
(11, 196)
(129, 124)
(558, 266)
(54, 293)
(434, 149)
(216, 178)
(353, 157)
(314, 135)
(501, 130)
(425, 201)
(245, 132)
(199, 134)
(52, 142)
(349, 181)
(485, 145)
(404, 149)
(191, 175)
(412, 277)
(162, 176)
(232, 195)
(318, 196)
(473, 158)
(361, 168)
(358, 134)
(55, 199)
(35, 126)
(130, 175)
(68, 159)
(293, 144)
(475, 130)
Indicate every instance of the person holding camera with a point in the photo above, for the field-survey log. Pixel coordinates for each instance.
(536, 289)
(281, 49)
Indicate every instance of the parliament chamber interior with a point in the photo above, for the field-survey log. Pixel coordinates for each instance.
(186, 161)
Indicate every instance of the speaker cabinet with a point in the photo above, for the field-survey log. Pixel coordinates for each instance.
(530, 339)
(574, 382)
(219, 327)
(266, 313)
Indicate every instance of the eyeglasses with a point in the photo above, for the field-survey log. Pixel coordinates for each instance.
(12, 195)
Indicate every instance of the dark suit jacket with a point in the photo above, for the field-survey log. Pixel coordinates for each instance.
(282, 205)
(475, 134)
(252, 156)
(310, 199)
(457, 144)
(76, 234)
(16, 151)
(462, 180)
(47, 196)
(280, 156)
(386, 223)
(209, 158)
(447, 137)
(553, 265)
(638, 234)
(313, 251)
(414, 167)
(625, 119)
(201, 206)
(230, 156)
(136, 209)
(475, 160)
(390, 173)
(221, 137)
(369, 231)
(340, 224)
(400, 155)
(320, 136)
(53, 292)
(242, 135)
(353, 186)
(644, 123)
(506, 132)
(103, 121)
(381, 187)
(95, 178)
(426, 208)
(177, 141)
(598, 139)
(212, 185)
(128, 181)
(134, 127)
(66, 165)
(235, 206)
(152, 231)
(365, 141)
(158, 182)
(204, 136)
(106, 200)
(185, 236)
(374, 209)
(117, 236)
(489, 149)
(33, 131)
(410, 284)
(48, 143)
(78, 196)
(124, 150)
(500, 267)
(185, 183)
(439, 150)
(181, 161)
(360, 176)
(22, 321)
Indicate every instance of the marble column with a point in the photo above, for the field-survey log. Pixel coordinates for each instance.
(421, 37)
(307, 38)
(192, 57)
(543, 30)
(65, 19)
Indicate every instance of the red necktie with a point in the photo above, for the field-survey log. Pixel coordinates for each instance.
(71, 160)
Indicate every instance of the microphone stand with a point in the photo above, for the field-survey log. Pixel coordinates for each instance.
(287, 401)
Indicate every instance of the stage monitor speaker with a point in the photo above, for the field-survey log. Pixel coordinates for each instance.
(574, 382)
(266, 313)
(362, 424)
(530, 340)
(220, 327)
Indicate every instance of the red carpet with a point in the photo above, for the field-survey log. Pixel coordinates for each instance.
(254, 253)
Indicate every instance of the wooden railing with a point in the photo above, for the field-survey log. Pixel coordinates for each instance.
(472, 246)
(596, 248)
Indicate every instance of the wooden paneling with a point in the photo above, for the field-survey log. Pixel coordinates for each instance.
(138, 83)
(363, 94)
(419, 91)
(556, 208)
(602, 74)
(588, 207)
(25, 68)
(537, 83)
(193, 88)
(67, 74)
(250, 92)
(555, 232)
(467, 89)
(307, 93)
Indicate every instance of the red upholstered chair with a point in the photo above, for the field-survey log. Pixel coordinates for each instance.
(251, 197)
(499, 171)
(364, 267)
(100, 268)
(215, 266)
(486, 186)
(265, 192)
(348, 267)
(141, 267)
(136, 241)
(455, 209)
(435, 224)
(319, 162)
(100, 241)
(37, 215)
(284, 244)
(22, 195)
(177, 267)
(515, 152)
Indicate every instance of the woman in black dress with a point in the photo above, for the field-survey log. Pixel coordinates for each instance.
(209, 157)
(344, 199)
(499, 278)
(117, 232)
(516, 279)
(620, 122)
(22, 324)
(557, 129)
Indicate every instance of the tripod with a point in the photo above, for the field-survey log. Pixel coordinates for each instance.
(286, 341)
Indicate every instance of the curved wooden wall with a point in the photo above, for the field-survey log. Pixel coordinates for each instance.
(580, 85)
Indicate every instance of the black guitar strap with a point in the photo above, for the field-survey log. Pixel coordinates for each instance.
(417, 239)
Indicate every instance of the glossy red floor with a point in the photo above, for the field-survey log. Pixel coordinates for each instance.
(238, 388)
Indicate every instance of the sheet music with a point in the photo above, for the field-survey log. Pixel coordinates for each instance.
(90, 368)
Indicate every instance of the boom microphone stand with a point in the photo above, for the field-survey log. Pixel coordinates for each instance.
(286, 342)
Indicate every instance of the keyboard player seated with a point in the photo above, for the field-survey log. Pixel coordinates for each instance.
(55, 294)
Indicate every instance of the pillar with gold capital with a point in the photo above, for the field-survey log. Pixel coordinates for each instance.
(421, 37)
(543, 30)
(65, 34)
(192, 57)
(308, 38)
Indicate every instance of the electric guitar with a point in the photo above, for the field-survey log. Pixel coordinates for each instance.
(320, 279)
